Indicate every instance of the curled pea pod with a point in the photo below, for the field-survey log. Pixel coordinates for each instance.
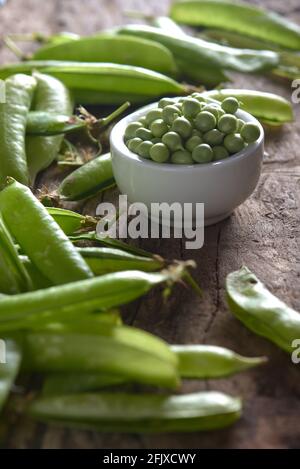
(103, 83)
(9, 369)
(53, 96)
(86, 181)
(263, 313)
(70, 383)
(124, 351)
(71, 222)
(208, 361)
(107, 47)
(40, 238)
(141, 413)
(13, 275)
(239, 17)
(73, 300)
(267, 107)
(204, 53)
(19, 91)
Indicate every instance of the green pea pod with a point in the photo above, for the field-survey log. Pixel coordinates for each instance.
(71, 222)
(266, 107)
(47, 124)
(124, 351)
(53, 96)
(70, 383)
(9, 369)
(103, 83)
(140, 413)
(240, 17)
(167, 24)
(263, 313)
(204, 53)
(39, 236)
(110, 48)
(19, 91)
(209, 362)
(105, 260)
(13, 275)
(76, 299)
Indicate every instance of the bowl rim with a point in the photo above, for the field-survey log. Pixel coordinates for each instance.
(117, 143)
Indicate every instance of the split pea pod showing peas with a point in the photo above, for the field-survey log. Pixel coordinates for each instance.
(103, 83)
(19, 91)
(75, 299)
(263, 313)
(144, 357)
(267, 107)
(142, 413)
(53, 96)
(39, 236)
(106, 47)
(86, 181)
(13, 275)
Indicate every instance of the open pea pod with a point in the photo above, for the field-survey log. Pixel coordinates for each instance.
(9, 369)
(240, 17)
(140, 413)
(123, 351)
(261, 311)
(267, 107)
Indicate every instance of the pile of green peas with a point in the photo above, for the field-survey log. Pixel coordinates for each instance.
(190, 130)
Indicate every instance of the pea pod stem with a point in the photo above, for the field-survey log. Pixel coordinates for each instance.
(140, 413)
(263, 313)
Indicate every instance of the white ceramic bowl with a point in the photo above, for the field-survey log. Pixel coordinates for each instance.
(221, 185)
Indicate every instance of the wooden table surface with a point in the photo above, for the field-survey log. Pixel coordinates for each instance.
(262, 234)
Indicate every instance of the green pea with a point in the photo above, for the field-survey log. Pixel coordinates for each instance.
(144, 134)
(170, 113)
(134, 143)
(230, 105)
(173, 141)
(196, 132)
(183, 127)
(199, 97)
(159, 128)
(182, 157)
(202, 153)
(234, 143)
(156, 140)
(220, 153)
(165, 102)
(131, 129)
(159, 153)
(193, 142)
(205, 121)
(142, 121)
(240, 125)
(213, 109)
(144, 148)
(213, 137)
(190, 107)
(250, 132)
(153, 115)
(227, 124)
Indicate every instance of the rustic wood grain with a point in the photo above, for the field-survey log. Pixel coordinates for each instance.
(263, 234)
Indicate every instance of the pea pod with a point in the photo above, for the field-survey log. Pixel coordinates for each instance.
(86, 181)
(70, 383)
(263, 313)
(124, 351)
(208, 361)
(75, 299)
(13, 275)
(142, 413)
(70, 221)
(266, 107)
(204, 53)
(107, 47)
(9, 369)
(19, 91)
(50, 95)
(42, 123)
(40, 237)
(103, 83)
(240, 17)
